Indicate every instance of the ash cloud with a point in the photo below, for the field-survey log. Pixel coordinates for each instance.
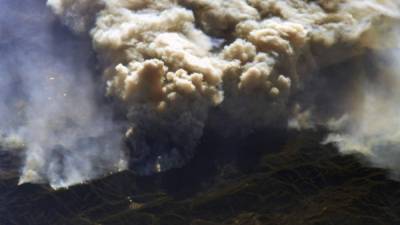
(161, 63)
(172, 67)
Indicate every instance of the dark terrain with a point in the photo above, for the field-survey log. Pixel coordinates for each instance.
(270, 177)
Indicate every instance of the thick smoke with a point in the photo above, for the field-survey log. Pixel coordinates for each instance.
(48, 100)
(171, 66)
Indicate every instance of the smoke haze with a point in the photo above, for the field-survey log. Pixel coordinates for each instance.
(48, 98)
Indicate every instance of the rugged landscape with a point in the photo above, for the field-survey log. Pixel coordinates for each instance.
(288, 178)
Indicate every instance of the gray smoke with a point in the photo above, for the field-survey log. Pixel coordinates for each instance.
(48, 99)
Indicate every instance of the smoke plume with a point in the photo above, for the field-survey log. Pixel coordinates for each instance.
(169, 68)
(371, 129)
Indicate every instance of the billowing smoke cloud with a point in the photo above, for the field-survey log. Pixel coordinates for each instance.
(172, 63)
(48, 99)
(171, 66)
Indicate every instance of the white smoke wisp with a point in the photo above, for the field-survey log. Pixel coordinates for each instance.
(170, 64)
(48, 100)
